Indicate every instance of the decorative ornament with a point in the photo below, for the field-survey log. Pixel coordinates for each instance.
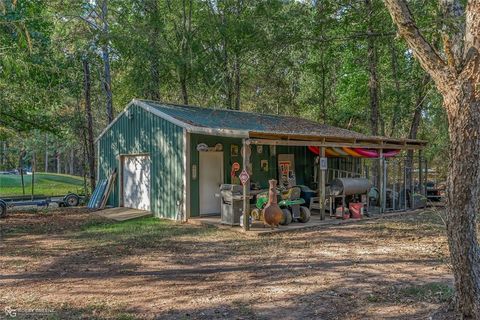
(246, 151)
(244, 176)
(272, 213)
(202, 147)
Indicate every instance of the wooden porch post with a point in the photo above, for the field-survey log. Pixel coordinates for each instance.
(426, 179)
(411, 181)
(321, 185)
(420, 173)
(383, 190)
(246, 188)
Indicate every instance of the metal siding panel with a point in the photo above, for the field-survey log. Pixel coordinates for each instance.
(174, 158)
(161, 139)
(186, 175)
(171, 169)
(164, 168)
(178, 176)
(178, 173)
(173, 177)
(169, 177)
(161, 164)
(161, 178)
(161, 167)
(155, 163)
(153, 186)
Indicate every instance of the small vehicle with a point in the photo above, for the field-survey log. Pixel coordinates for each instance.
(289, 201)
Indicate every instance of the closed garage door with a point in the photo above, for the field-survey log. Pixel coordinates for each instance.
(136, 182)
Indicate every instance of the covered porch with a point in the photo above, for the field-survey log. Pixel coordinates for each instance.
(395, 168)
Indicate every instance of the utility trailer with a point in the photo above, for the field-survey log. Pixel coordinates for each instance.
(69, 200)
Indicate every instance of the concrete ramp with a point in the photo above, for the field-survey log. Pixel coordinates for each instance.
(122, 213)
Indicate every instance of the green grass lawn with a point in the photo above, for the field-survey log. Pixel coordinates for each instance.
(48, 184)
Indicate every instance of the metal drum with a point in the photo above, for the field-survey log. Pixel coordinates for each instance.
(349, 186)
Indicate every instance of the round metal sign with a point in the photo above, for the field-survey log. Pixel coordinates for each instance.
(235, 166)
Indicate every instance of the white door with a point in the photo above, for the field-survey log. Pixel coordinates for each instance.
(211, 177)
(136, 182)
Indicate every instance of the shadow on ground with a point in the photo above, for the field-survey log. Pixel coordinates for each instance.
(147, 268)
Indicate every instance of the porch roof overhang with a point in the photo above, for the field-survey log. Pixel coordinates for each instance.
(372, 142)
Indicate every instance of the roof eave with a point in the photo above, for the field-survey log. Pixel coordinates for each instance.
(190, 128)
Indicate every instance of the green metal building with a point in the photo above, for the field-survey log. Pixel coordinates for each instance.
(171, 159)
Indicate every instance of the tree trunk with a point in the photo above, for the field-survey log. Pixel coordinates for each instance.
(228, 77)
(107, 81)
(23, 152)
(373, 84)
(46, 153)
(323, 104)
(458, 84)
(153, 88)
(154, 91)
(71, 161)
(463, 198)
(183, 86)
(415, 124)
(34, 162)
(21, 156)
(4, 154)
(89, 119)
(321, 14)
(398, 101)
(236, 70)
(59, 165)
(185, 49)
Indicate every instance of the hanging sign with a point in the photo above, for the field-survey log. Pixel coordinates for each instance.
(244, 176)
(235, 168)
(323, 164)
(284, 167)
(202, 147)
(194, 171)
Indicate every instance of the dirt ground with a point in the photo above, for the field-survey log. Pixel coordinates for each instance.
(72, 264)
